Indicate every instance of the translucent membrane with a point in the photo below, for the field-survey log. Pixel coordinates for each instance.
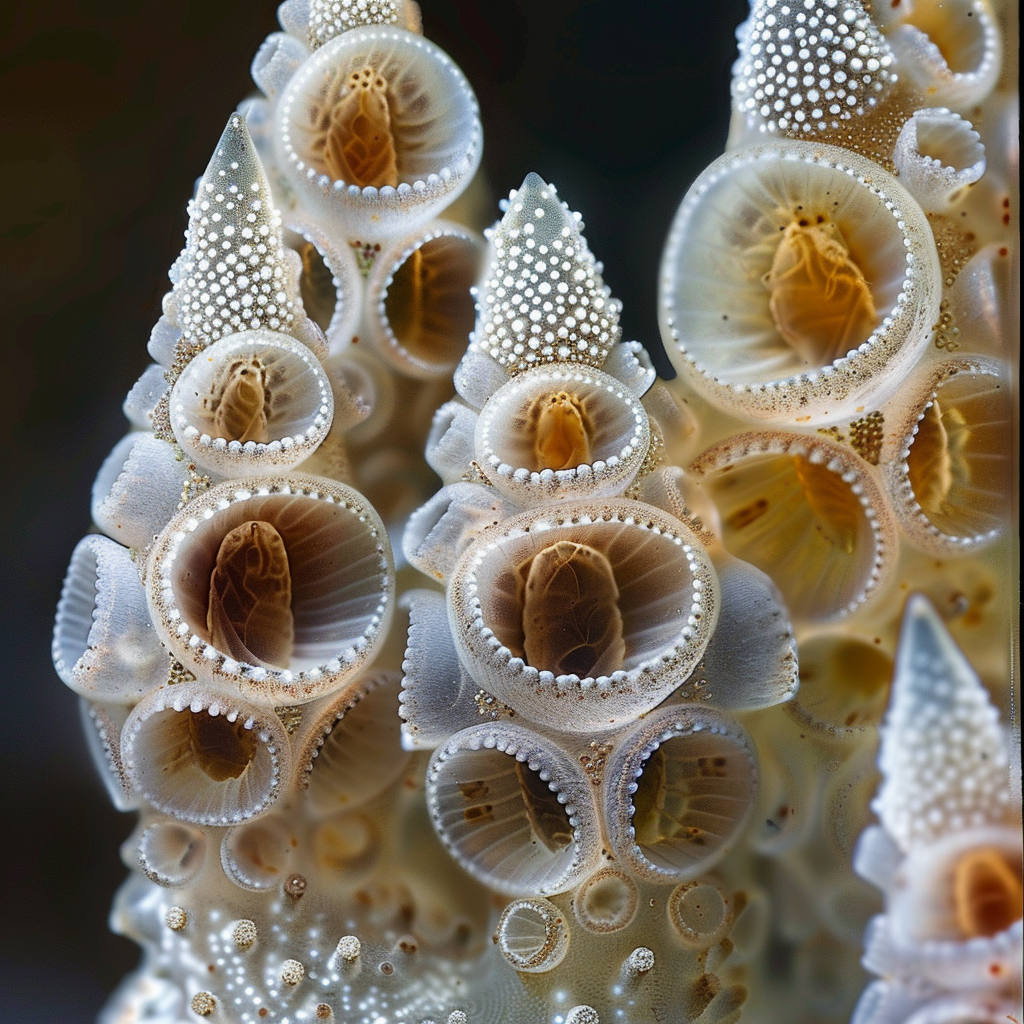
(171, 853)
(606, 902)
(700, 913)
(352, 750)
(256, 856)
(938, 155)
(335, 552)
(561, 432)
(951, 478)
(104, 644)
(805, 511)
(513, 809)
(419, 294)
(844, 683)
(252, 402)
(950, 50)
(203, 758)
(680, 789)
(532, 935)
(379, 128)
(797, 280)
(600, 608)
(330, 284)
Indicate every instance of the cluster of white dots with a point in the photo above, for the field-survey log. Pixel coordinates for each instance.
(329, 18)
(809, 64)
(233, 274)
(543, 300)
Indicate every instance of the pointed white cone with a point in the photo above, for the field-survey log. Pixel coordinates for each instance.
(542, 299)
(943, 753)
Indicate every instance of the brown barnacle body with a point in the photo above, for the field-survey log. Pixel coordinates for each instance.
(239, 400)
(571, 619)
(546, 815)
(220, 748)
(249, 615)
(819, 298)
(987, 892)
(359, 144)
(561, 431)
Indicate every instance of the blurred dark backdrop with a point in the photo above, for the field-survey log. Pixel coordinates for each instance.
(107, 119)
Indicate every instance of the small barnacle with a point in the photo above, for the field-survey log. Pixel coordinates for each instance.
(560, 431)
(250, 615)
(203, 1004)
(171, 853)
(699, 913)
(292, 972)
(987, 892)
(359, 145)
(348, 949)
(606, 902)
(244, 934)
(255, 855)
(819, 298)
(238, 400)
(571, 618)
(639, 962)
(532, 935)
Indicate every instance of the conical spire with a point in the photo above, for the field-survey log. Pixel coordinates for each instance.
(943, 752)
(542, 298)
(232, 274)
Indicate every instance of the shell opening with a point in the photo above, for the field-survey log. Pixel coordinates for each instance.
(532, 935)
(606, 902)
(987, 892)
(222, 750)
(170, 853)
(699, 913)
(316, 282)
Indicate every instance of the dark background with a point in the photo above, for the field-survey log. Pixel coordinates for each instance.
(107, 119)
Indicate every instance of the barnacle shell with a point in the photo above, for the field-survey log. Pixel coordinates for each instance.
(204, 758)
(170, 852)
(256, 855)
(532, 935)
(950, 50)
(542, 299)
(514, 810)
(142, 400)
(561, 432)
(949, 476)
(636, 630)
(378, 129)
(797, 281)
(806, 511)
(254, 401)
(339, 566)
(102, 724)
(421, 310)
(329, 18)
(606, 902)
(700, 913)
(104, 645)
(679, 789)
(938, 155)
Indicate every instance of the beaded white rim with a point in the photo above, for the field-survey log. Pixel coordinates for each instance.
(435, 186)
(617, 468)
(540, 756)
(836, 460)
(627, 768)
(854, 370)
(696, 620)
(257, 681)
(288, 450)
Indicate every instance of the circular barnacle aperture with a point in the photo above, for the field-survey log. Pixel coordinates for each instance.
(700, 914)
(352, 750)
(257, 855)
(532, 935)
(949, 50)
(951, 478)
(378, 128)
(170, 853)
(606, 902)
(797, 281)
(419, 296)
(602, 607)
(562, 431)
(513, 809)
(251, 402)
(844, 683)
(986, 892)
(204, 758)
(680, 789)
(279, 587)
(806, 511)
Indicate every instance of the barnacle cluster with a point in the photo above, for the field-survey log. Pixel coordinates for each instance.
(589, 733)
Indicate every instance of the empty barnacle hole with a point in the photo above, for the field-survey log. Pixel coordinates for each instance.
(561, 419)
(425, 311)
(699, 913)
(521, 826)
(844, 683)
(288, 576)
(378, 107)
(532, 935)
(170, 852)
(956, 29)
(256, 855)
(958, 466)
(606, 902)
(799, 511)
(319, 287)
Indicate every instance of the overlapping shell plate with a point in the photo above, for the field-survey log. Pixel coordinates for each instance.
(603, 745)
